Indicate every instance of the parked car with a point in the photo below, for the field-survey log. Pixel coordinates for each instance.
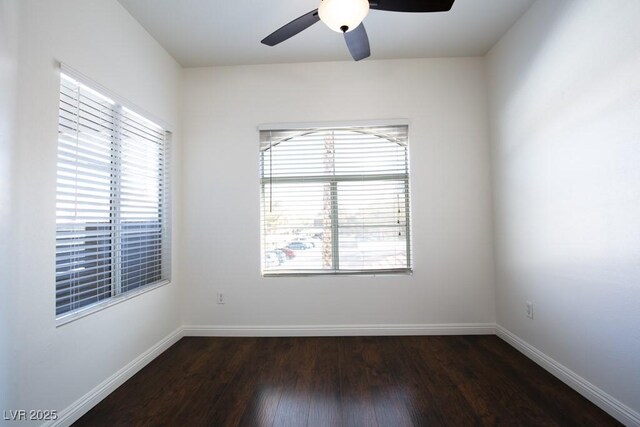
(288, 252)
(307, 242)
(297, 246)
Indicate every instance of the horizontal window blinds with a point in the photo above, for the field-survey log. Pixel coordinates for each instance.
(112, 208)
(335, 200)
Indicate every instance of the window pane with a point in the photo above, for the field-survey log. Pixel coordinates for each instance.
(84, 245)
(297, 226)
(372, 222)
(140, 206)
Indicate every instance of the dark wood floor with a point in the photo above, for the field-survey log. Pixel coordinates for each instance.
(346, 381)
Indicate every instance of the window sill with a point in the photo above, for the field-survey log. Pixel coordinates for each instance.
(345, 273)
(94, 308)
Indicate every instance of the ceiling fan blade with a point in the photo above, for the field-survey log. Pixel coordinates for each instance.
(412, 5)
(358, 43)
(292, 28)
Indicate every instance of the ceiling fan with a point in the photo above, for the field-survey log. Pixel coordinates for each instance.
(346, 16)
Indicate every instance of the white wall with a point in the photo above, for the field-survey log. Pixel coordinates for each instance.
(100, 39)
(565, 123)
(9, 17)
(445, 101)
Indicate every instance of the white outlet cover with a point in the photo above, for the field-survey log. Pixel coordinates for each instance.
(529, 309)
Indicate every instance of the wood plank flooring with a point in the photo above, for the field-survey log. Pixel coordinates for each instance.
(344, 381)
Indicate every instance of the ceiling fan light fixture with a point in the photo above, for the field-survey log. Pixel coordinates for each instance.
(343, 15)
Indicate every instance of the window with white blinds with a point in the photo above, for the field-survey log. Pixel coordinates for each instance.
(112, 210)
(335, 201)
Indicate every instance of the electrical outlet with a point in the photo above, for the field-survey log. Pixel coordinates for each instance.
(220, 298)
(529, 309)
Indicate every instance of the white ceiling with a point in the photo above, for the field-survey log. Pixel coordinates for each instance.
(228, 32)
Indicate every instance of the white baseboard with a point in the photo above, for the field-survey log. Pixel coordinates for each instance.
(339, 330)
(608, 403)
(81, 406)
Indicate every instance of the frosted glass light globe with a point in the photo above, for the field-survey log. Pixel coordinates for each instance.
(343, 15)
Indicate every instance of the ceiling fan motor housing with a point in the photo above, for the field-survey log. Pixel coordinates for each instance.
(343, 15)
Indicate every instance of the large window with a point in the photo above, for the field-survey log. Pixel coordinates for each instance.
(335, 200)
(112, 200)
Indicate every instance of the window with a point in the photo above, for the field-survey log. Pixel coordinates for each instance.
(335, 200)
(112, 201)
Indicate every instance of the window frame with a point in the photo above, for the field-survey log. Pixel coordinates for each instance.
(406, 177)
(164, 204)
